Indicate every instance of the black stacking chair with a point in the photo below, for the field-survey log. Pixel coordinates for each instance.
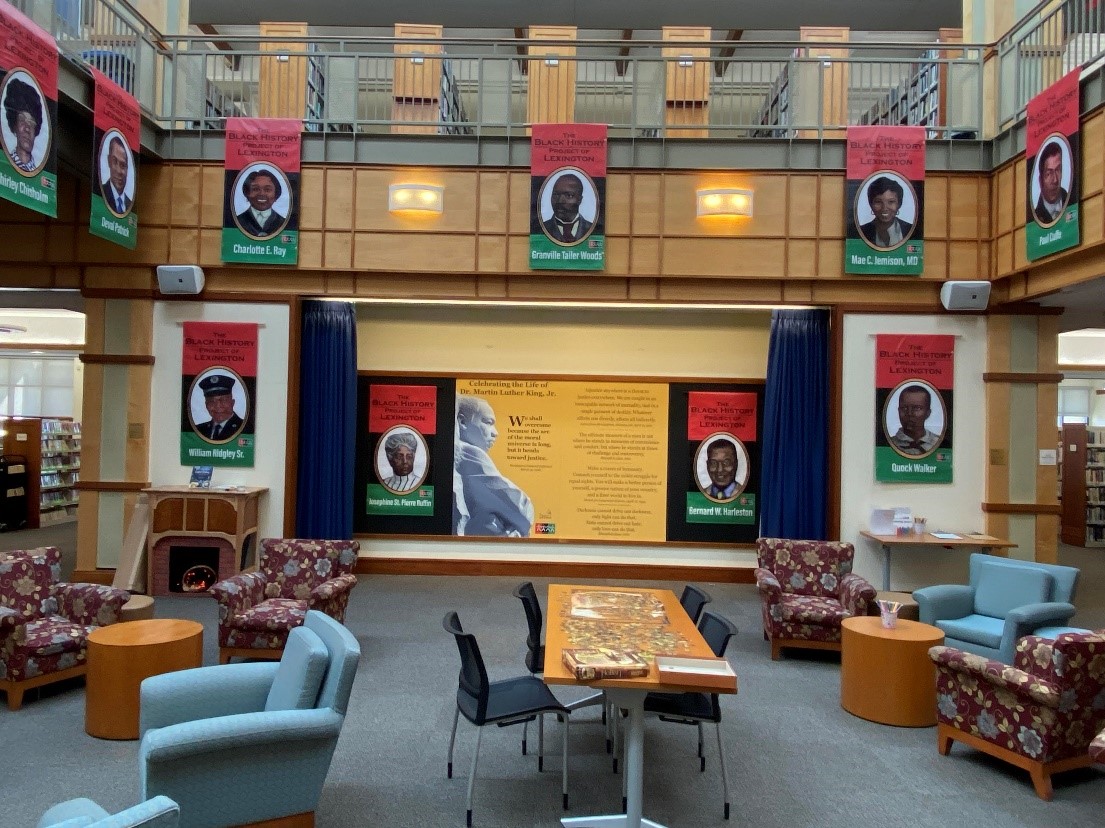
(695, 708)
(693, 600)
(502, 703)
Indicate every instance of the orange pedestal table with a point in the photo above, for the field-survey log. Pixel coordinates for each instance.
(120, 656)
(886, 675)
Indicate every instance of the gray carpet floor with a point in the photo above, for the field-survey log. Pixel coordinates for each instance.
(795, 758)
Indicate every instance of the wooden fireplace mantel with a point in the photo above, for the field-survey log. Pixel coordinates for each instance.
(226, 518)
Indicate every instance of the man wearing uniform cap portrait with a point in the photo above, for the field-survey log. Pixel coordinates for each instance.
(224, 423)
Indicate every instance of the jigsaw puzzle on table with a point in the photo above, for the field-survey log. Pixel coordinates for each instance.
(646, 638)
(607, 605)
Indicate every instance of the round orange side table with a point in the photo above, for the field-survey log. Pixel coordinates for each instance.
(886, 676)
(120, 656)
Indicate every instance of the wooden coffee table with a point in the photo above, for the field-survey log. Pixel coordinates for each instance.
(120, 656)
(886, 676)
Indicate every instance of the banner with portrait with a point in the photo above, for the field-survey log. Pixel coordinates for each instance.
(914, 384)
(29, 98)
(568, 197)
(1052, 170)
(402, 420)
(884, 200)
(261, 200)
(218, 394)
(115, 123)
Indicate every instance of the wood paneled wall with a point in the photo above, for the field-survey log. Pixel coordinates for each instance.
(792, 250)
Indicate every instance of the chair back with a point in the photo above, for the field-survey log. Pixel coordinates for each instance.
(345, 655)
(535, 656)
(50, 554)
(1064, 579)
(693, 600)
(806, 567)
(293, 566)
(717, 632)
(25, 586)
(473, 687)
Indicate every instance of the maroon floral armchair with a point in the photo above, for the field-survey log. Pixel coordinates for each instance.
(257, 610)
(806, 589)
(44, 623)
(1041, 714)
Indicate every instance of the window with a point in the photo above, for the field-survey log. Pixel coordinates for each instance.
(1074, 404)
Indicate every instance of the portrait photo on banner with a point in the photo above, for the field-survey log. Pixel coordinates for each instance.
(914, 419)
(721, 467)
(25, 127)
(568, 207)
(886, 210)
(401, 460)
(262, 200)
(1052, 183)
(115, 164)
(218, 404)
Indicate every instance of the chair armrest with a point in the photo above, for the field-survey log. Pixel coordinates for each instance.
(1024, 685)
(1097, 747)
(204, 692)
(9, 620)
(856, 593)
(768, 584)
(1033, 616)
(944, 601)
(246, 730)
(90, 604)
(329, 590)
(240, 593)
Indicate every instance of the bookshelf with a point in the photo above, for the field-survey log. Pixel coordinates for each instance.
(316, 91)
(52, 448)
(775, 111)
(1082, 521)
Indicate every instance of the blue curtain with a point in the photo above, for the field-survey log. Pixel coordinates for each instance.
(327, 421)
(796, 424)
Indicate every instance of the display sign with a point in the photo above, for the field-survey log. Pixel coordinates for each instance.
(115, 122)
(1052, 171)
(261, 200)
(402, 419)
(884, 200)
(720, 425)
(29, 97)
(218, 394)
(568, 197)
(914, 384)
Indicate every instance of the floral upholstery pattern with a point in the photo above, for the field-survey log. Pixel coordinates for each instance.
(257, 610)
(44, 623)
(807, 588)
(1041, 713)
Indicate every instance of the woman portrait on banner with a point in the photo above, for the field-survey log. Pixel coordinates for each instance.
(25, 117)
(886, 199)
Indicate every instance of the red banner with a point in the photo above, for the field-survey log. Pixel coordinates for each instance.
(115, 119)
(712, 411)
(1052, 169)
(412, 405)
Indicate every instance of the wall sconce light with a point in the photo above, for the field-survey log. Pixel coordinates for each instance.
(686, 61)
(417, 58)
(282, 58)
(551, 61)
(723, 202)
(424, 198)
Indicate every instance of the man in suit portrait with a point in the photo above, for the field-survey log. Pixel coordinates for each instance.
(25, 115)
(1053, 198)
(261, 188)
(721, 466)
(114, 188)
(914, 408)
(885, 230)
(218, 397)
(566, 225)
(400, 449)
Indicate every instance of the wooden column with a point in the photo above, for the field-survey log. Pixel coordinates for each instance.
(282, 81)
(830, 79)
(416, 83)
(687, 82)
(551, 97)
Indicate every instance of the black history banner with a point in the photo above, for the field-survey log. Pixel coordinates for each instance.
(402, 421)
(720, 427)
(115, 123)
(884, 200)
(218, 394)
(261, 202)
(914, 384)
(29, 96)
(1052, 171)
(568, 197)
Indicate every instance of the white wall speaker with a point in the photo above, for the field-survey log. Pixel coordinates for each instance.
(179, 279)
(965, 296)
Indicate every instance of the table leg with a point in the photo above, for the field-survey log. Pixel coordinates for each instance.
(632, 701)
(885, 567)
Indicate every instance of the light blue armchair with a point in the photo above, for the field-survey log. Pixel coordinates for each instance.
(241, 743)
(159, 812)
(1004, 601)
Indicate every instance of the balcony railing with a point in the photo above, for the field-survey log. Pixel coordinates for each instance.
(756, 89)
